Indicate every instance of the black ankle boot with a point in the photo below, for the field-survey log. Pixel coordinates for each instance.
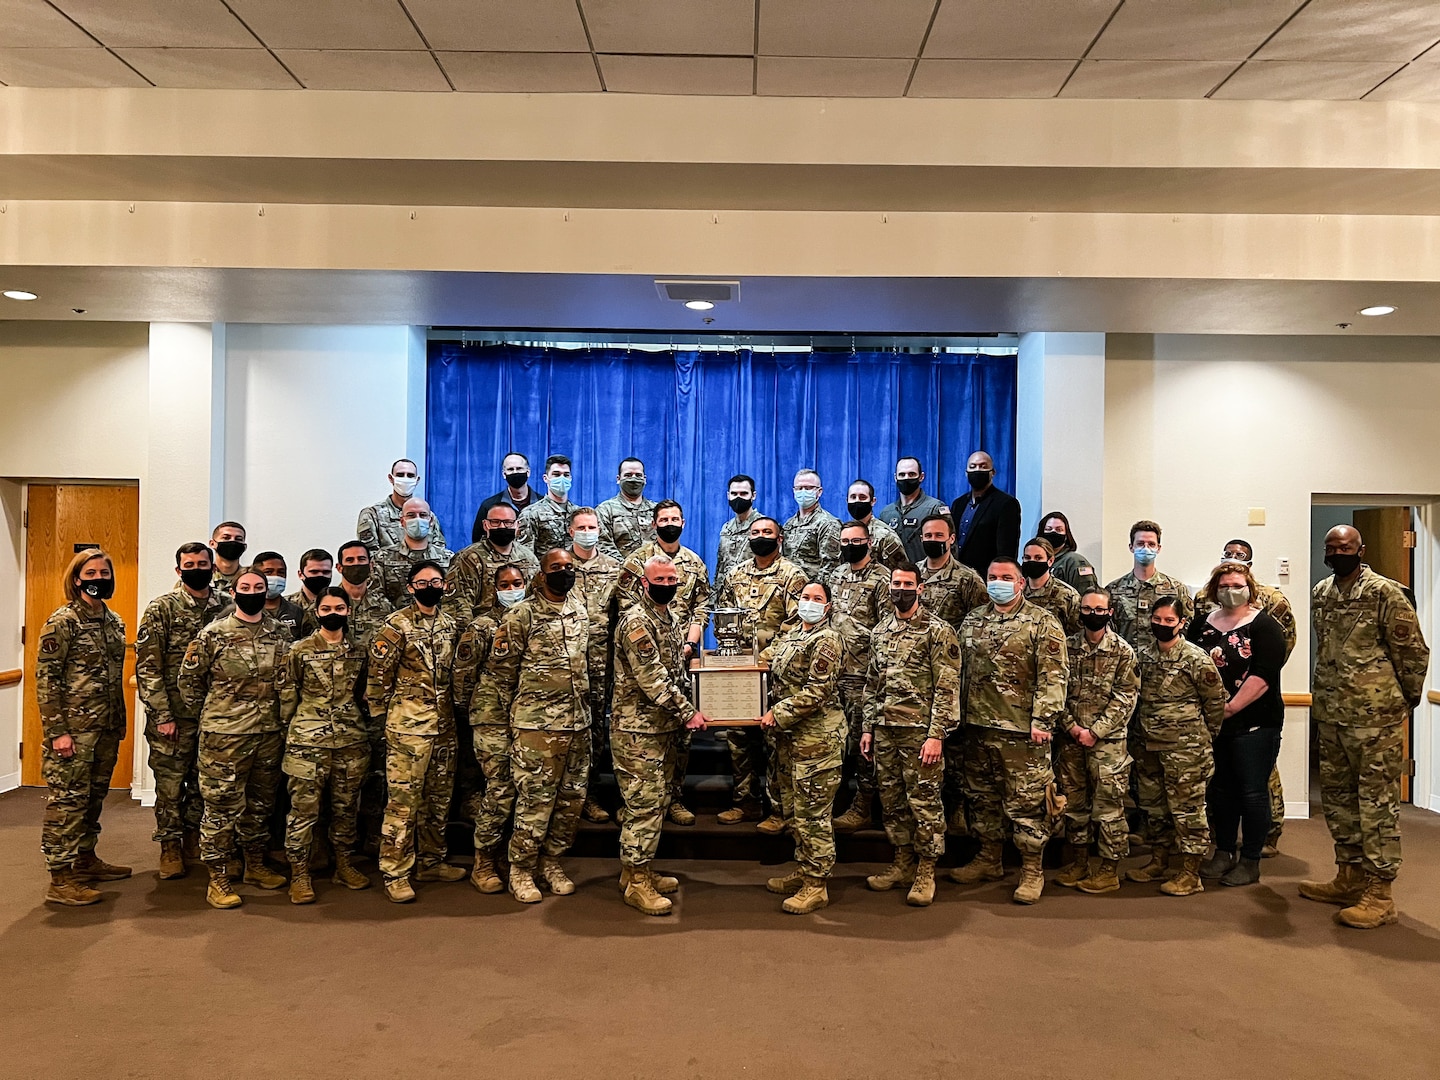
(1244, 872)
(1219, 864)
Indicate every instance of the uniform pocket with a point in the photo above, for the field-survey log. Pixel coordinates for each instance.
(299, 767)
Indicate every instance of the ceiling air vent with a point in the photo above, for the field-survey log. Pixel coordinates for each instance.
(683, 291)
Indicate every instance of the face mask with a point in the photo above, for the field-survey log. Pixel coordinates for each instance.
(587, 538)
(1055, 540)
(560, 582)
(355, 573)
(740, 505)
(1233, 597)
(859, 511)
(274, 587)
(99, 588)
(197, 579)
(1164, 633)
(934, 548)
(1034, 571)
(853, 553)
(1343, 565)
(669, 533)
(501, 535)
(1145, 555)
(430, 595)
(517, 480)
(903, 599)
(633, 486)
(333, 621)
(316, 584)
(404, 485)
(811, 611)
(806, 497)
(230, 550)
(417, 528)
(1095, 622)
(908, 486)
(763, 545)
(661, 594)
(1002, 592)
(510, 597)
(978, 478)
(250, 602)
(558, 485)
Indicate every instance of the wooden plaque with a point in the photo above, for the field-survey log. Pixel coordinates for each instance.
(732, 695)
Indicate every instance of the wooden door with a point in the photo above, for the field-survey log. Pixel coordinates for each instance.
(61, 519)
(1389, 539)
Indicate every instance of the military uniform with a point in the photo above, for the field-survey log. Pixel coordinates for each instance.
(1103, 689)
(232, 677)
(367, 618)
(491, 807)
(812, 542)
(912, 694)
(906, 518)
(470, 579)
(1134, 600)
(734, 546)
(290, 616)
(1074, 570)
(171, 621)
(79, 688)
(409, 684)
(327, 745)
(390, 566)
(859, 600)
(222, 582)
(545, 524)
(1060, 600)
(1370, 665)
(953, 591)
(885, 543)
(379, 527)
(624, 525)
(596, 580)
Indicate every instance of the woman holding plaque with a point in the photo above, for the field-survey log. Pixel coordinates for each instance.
(810, 739)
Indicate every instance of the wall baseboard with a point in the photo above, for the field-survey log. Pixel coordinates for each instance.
(10, 781)
(1297, 809)
(144, 796)
(1434, 805)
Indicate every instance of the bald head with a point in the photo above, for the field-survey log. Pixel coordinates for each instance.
(1344, 539)
(414, 508)
(980, 460)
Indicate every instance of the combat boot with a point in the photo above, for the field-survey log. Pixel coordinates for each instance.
(1102, 879)
(220, 893)
(811, 897)
(640, 894)
(522, 886)
(773, 825)
(346, 874)
(1187, 882)
(956, 824)
(1076, 868)
(190, 845)
(1219, 864)
(787, 885)
(441, 871)
(1032, 879)
(301, 890)
(399, 890)
(593, 811)
(90, 867)
(1155, 869)
(986, 866)
(484, 876)
(1375, 908)
(172, 860)
(1345, 890)
(857, 817)
(555, 878)
(662, 883)
(257, 873)
(67, 889)
(901, 871)
(737, 814)
(680, 814)
(922, 890)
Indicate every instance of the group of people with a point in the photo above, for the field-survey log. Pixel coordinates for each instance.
(968, 683)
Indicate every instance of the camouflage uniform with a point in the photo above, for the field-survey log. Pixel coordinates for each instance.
(912, 695)
(367, 618)
(1370, 665)
(1103, 689)
(1060, 600)
(1134, 599)
(652, 705)
(79, 688)
(222, 582)
(233, 674)
(859, 599)
(885, 544)
(390, 566)
(379, 526)
(491, 807)
(1014, 681)
(169, 624)
(734, 546)
(906, 519)
(596, 579)
(804, 686)
(539, 678)
(409, 683)
(545, 524)
(771, 596)
(812, 542)
(1074, 570)
(327, 746)
(953, 591)
(1182, 705)
(470, 580)
(624, 525)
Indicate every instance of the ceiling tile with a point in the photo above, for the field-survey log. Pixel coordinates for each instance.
(1398, 30)
(1146, 78)
(521, 73)
(843, 28)
(1016, 29)
(160, 23)
(64, 67)
(500, 25)
(1293, 80)
(719, 75)
(329, 24)
(364, 69)
(1418, 82)
(210, 69)
(990, 78)
(1190, 29)
(806, 76)
(35, 24)
(672, 26)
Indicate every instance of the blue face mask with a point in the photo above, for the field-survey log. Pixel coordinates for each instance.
(806, 497)
(417, 528)
(558, 485)
(1145, 556)
(1002, 592)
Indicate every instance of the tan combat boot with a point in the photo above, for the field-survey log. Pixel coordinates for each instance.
(986, 866)
(301, 890)
(737, 814)
(1187, 882)
(1345, 889)
(1375, 908)
(484, 875)
(346, 874)
(554, 877)
(257, 873)
(811, 897)
(399, 890)
(441, 871)
(680, 814)
(640, 894)
(1155, 869)
(90, 867)
(900, 872)
(1032, 879)
(1102, 879)
(172, 860)
(522, 886)
(922, 891)
(593, 811)
(1076, 868)
(858, 816)
(220, 893)
(67, 889)
(787, 884)
(773, 825)
(662, 883)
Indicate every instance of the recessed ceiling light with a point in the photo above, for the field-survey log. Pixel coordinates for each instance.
(21, 294)
(699, 305)
(1378, 309)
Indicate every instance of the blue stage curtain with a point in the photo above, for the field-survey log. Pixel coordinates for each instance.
(697, 418)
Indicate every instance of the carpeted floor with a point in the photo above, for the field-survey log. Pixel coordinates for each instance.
(1235, 983)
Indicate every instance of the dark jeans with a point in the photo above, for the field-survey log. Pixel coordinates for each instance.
(1240, 790)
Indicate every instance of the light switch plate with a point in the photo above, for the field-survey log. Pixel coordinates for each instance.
(1282, 568)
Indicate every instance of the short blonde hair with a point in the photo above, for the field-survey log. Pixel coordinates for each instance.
(88, 555)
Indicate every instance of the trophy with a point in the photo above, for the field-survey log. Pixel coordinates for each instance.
(730, 682)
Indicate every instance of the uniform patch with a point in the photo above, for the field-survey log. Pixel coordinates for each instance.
(465, 651)
(954, 650)
(1053, 648)
(1084, 570)
(49, 645)
(500, 647)
(381, 648)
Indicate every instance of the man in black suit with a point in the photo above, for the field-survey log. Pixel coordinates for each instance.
(987, 521)
(516, 493)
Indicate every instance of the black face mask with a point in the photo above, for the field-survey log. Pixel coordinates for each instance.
(853, 553)
(1343, 565)
(978, 478)
(903, 599)
(99, 588)
(908, 486)
(517, 480)
(1034, 570)
(763, 545)
(429, 595)
(333, 621)
(355, 573)
(934, 548)
(501, 535)
(316, 584)
(198, 578)
(230, 550)
(1164, 633)
(740, 505)
(669, 533)
(1055, 540)
(250, 602)
(560, 582)
(1095, 622)
(859, 511)
(661, 594)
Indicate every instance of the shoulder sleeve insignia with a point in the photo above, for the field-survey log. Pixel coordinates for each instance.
(954, 650)
(465, 651)
(49, 645)
(501, 645)
(1087, 571)
(1053, 647)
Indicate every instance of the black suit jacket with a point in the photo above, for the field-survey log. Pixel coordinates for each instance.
(477, 531)
(994, 531)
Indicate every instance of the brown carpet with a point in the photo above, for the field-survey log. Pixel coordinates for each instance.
(1237, 982)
